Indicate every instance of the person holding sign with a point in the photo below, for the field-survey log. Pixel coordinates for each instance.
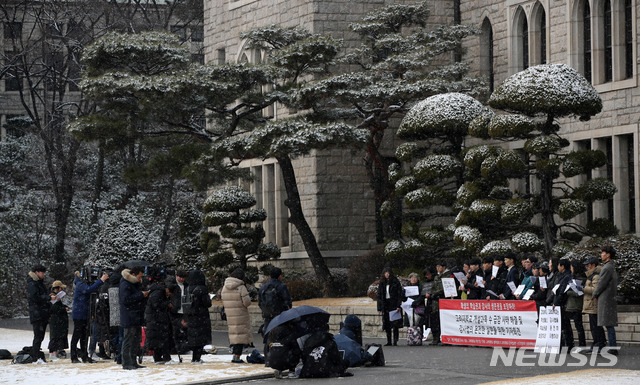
(412, 292)
(513, 277)
(437, 293)
(389, 301)
(575, 297)
(530, 270)
(539, 286)
(473, 290)
(497, 280)
(560, 300)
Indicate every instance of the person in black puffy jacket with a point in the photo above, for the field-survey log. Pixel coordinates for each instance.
(39, 307)
(197, 318)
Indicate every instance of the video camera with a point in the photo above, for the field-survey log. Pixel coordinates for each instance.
(91, 273)
(157, 272)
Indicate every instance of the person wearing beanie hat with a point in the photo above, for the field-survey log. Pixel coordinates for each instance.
(39, 300)
(59, 322)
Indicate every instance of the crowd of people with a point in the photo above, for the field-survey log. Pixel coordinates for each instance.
(576, 288)
(175, 309)
(112, 310)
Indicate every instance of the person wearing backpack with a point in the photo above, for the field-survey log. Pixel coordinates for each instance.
(273, 299)
(321, 357)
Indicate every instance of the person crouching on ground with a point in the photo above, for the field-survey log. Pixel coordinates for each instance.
(236, 301)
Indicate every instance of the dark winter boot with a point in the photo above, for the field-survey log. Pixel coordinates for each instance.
(396, 336)
(388, 338)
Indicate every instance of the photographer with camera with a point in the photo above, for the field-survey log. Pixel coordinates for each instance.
(85, 284)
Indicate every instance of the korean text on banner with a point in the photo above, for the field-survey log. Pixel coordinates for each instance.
(489, 323)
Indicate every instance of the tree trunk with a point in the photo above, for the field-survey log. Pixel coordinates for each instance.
(549, 227)
(164, 239)
(298, 219)
(97, 187)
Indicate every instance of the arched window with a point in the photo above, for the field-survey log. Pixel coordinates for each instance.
(538, 38)
(586, 40)
(486, 52)
(525, 42)
(628, 39)
(607, 35)
(603, 40)
(520, 41)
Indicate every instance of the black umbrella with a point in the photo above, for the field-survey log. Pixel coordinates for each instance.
(311, 316)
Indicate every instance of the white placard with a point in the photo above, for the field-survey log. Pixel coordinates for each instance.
(411, 291)
(395, 315)
(543, 282)
(549, 330)
(59, 296)
(461, 277)
(449, 286)
(494, 271)
(518, 290)
(479, 281)
(406, 306)
(512, 286)
(555, 288)
(527, 295)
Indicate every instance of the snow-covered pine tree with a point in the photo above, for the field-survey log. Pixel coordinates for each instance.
(534, 99)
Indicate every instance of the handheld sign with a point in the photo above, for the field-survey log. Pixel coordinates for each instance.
(449, 285)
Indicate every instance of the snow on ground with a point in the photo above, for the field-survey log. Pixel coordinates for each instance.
(581, 377)
(62, 371)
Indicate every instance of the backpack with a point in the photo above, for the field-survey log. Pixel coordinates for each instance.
(24, 356)
(376, 351)
(269, 302)
(284, 352)
(321, 357)
(5, 354)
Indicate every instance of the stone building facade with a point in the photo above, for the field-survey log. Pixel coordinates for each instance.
(597, 37)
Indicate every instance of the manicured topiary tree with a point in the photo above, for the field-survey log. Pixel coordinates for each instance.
(239, 234)
(434, 130)
(534, 99)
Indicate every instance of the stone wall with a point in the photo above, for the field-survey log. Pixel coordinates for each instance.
(627, 331)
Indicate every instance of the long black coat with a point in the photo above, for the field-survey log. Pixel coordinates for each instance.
(385, 305)
(59, 323)
(39, 299)
(198, 321)
(156, 316)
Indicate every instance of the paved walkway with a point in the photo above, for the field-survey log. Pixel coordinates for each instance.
(454, 365)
